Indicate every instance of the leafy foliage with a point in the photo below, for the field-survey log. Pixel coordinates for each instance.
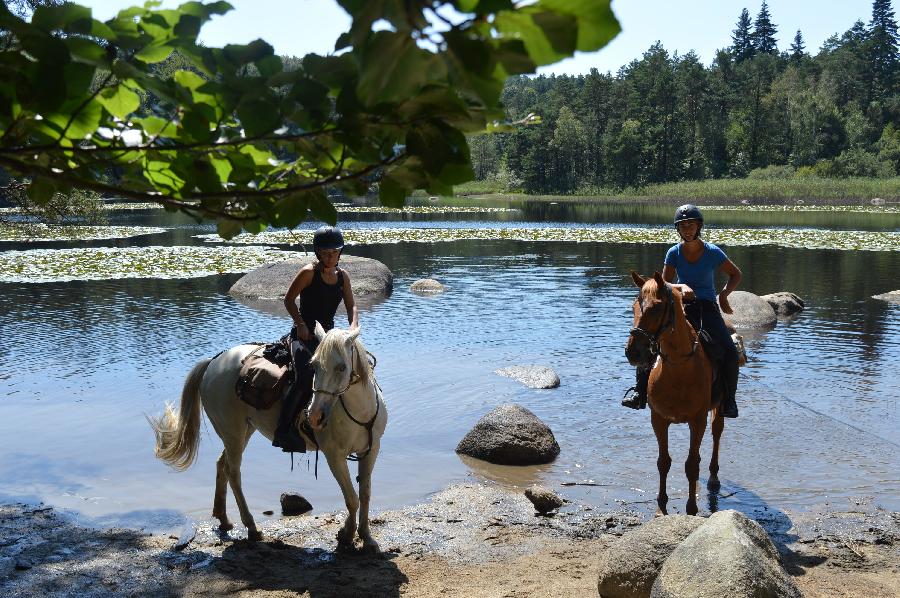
(234, 134)
(666, 118)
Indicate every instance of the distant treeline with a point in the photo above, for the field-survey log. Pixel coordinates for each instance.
(667, 118)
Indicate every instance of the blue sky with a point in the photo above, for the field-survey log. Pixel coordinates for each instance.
(296, 27)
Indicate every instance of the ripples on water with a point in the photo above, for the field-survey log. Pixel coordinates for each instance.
(84, 361)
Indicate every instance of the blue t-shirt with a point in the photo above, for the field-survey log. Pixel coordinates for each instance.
(699, 275)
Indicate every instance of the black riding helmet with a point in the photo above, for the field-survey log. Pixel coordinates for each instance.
(689, 212)
(328, 237)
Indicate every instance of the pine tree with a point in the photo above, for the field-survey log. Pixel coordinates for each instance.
(883, 40)
(764, 32)
(798, 48)
(742, 38)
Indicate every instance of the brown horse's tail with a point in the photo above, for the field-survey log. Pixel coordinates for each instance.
(177, 436)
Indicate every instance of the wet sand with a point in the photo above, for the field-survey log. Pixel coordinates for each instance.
(468, 540)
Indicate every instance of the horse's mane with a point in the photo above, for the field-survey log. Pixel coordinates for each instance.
(334, 342)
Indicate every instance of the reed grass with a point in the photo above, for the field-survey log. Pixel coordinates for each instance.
(807, 189)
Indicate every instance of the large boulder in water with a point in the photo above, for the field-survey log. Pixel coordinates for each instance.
(784, 303)
(266, 286)
(750, 311)
(510, 435)
(629, 567)
(729, 555)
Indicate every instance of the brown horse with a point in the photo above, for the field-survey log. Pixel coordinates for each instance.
(680, 387)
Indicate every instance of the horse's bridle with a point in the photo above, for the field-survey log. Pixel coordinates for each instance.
(354, 378)
(667, 321)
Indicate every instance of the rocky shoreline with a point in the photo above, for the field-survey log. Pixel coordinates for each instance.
(468, 540)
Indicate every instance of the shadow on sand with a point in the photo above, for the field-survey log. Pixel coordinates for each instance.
(276, 566)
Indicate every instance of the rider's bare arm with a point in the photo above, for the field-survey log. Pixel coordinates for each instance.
(301, 281)
(350, 302)
(734, 279)
(669, 275)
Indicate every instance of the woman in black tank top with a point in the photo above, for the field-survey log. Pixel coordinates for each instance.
(320, 286)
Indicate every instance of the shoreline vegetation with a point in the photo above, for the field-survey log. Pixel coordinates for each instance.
(872, 191)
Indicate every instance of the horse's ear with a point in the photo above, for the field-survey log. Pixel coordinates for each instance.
(660, 283)
(638, 281)
(320, 332)
(352, 334)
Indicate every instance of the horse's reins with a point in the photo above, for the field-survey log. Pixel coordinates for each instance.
(668, 321)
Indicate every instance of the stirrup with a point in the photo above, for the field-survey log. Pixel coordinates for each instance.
(635, 401)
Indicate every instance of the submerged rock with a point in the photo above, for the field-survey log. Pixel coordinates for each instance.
(533, 376)
(544, 499)
(890, 297)
(750, 311)
(294, 504)
(629, 567)
(784, 303)
(729, 555)
(510, 435)
(427, 286)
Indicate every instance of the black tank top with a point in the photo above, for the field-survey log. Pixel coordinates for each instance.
(319, 301)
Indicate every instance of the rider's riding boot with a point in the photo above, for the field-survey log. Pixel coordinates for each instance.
(636, 400)
(287, 437)
(729, 407)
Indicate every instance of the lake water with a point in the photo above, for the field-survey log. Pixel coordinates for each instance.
(84, 361)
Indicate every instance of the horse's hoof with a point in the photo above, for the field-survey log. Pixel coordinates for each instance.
(254, 536)
(345, 540)
(225, 527)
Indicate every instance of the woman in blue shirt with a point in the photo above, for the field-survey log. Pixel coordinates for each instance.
(695, 262)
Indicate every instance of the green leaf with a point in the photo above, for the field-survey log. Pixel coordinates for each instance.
(228, 229)
(343, 41)
(322, 209)
(86, 51)
(269, 66)
(520, 25)
(513, 55)
(291, 211)
(154, 53)
(153, 125)
(391, 192)
(69, 17)
(395, 79)
(561, 30)
(119, 101)
(245, 54)
(597, 25)
(258, 116)
(41, 190)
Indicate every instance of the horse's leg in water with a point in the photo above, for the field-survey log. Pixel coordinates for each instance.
(692, 465)
(365, 494)
(221, 489)
(718, 424)
(338, 465)
(234, 452)
(663, 461)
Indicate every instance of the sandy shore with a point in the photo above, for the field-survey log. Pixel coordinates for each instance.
(469, 540)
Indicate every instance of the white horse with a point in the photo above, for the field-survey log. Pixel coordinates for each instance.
(342, 375)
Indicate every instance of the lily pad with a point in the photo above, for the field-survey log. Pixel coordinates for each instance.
(25, 232)
(104, 263)
(731, 237)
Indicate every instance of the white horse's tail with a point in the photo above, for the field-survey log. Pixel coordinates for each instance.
(177, 436)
